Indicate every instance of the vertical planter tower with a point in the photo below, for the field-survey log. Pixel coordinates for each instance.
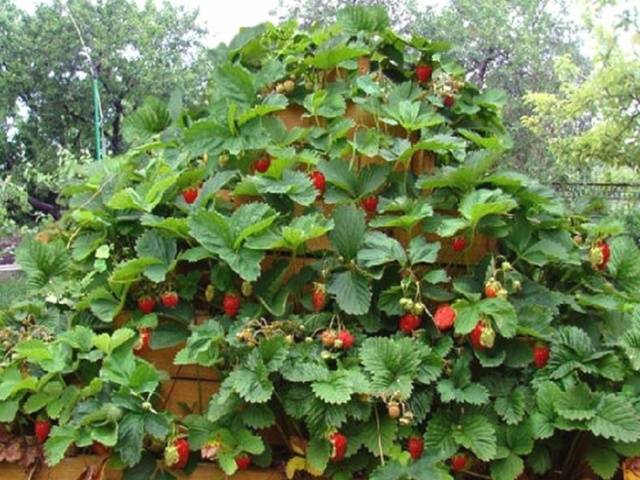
(319, 272)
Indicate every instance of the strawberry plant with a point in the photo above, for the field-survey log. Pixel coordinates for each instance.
(335, 170)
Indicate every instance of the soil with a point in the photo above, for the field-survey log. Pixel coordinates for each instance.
(7, 249)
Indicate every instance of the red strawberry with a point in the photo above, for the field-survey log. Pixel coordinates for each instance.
(144, 340)
(190, 194)
(170, 299)
(42, 428)
(243, 461)
(459, 462)
(599, 255)
(482, 336)
(346, 340)
(339, 446)
(540, 355)
(319, 297)
(415, 445)
(318, 180)
(99, 449)
(448, 101)
(423, 72)
(409, 322)
(146, 304)
(444, 318)
(262, 164)
(370, 204)
(459, 244)
(491, 288)
(231, 304)
(176, 454)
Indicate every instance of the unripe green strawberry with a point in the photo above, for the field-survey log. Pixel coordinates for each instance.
(246, 288)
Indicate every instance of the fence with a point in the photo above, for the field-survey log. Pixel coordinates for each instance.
(620, 197)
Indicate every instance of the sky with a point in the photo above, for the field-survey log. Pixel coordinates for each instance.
(223, 19)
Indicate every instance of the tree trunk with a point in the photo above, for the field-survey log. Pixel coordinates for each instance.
(117, 145)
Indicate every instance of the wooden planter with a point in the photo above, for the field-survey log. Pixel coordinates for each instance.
(77, 468)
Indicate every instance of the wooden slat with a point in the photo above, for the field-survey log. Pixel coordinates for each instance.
(72, 468)
(163, 360)
(194, 394)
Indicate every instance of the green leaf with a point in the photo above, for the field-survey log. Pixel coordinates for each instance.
(420, 251)
(258, 416)
(478, 435)
(174, 226)
(355, 18)
(252, 382)
(8, 410)
(616, 419)
(130, 270)
(352, 292)
(143, 470)
(482, 202)
(234, 83)
(512, 407)
(296, 185)
(604, 461)
(392, 364)
(335, 389)
(327, 58)
(59, 441)
(439, 435)
(508, 468)
(348, 231)
(103, 304)
(625, 264)
(630, 343)
(130, 438)
(42, 262)
(379, 249)
(152, 245)
(108, 343)
(318, 453)
(577, 403)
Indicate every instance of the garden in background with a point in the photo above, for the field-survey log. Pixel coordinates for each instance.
(331, 250)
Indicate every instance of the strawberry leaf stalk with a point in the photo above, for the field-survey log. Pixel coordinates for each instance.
(176, 454)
